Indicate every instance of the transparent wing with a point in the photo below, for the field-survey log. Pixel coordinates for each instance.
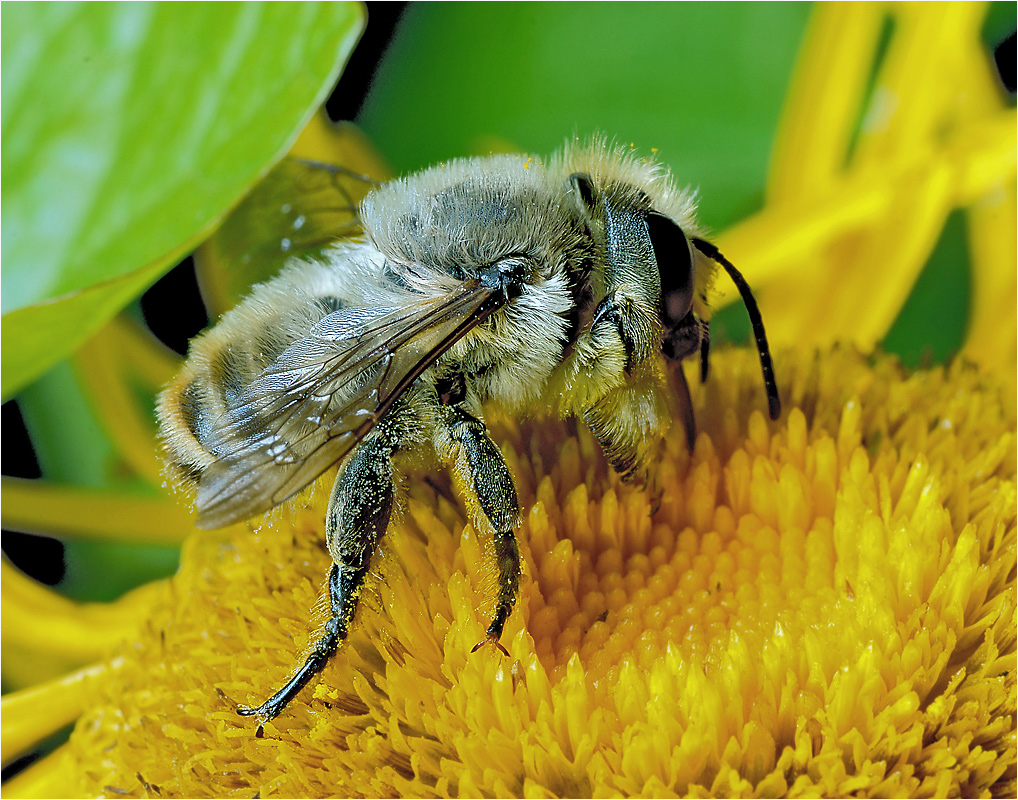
(327, 202)
(299, 208)
(323, 395)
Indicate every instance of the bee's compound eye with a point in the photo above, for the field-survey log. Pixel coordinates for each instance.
(675, 263)
(580, 184)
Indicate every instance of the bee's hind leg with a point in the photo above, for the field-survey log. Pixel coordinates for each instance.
(359, 511)
(464, 444)
(342, 596)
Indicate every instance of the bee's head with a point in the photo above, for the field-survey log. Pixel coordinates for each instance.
(649, 251)
(681, 331)
(646, 247)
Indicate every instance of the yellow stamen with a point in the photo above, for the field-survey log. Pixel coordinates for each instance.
(793, 618)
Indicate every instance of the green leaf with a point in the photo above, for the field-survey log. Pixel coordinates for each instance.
(128, 130)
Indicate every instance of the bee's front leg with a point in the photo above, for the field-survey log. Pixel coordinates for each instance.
(689, 336)
(481, 473)
(358, 515)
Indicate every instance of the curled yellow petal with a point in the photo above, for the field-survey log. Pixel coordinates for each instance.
(824, 100)
(44, 633)
(991, 339)
(52, 776)
(37, 506)
(143, 357)
(122, 409)
(835, 253)
(32, 715)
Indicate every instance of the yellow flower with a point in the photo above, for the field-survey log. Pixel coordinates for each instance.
(825, 605)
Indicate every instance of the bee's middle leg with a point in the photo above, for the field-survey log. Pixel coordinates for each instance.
(359, 511)
(483, 475)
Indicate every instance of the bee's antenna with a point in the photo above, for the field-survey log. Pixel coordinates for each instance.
(773, 401)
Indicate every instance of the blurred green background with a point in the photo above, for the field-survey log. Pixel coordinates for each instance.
(702, 83)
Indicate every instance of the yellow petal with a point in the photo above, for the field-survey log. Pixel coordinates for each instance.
(32, 715)
(45, 634)
(127, 421)
(143, 357)
(52, 776)
(38, 506)
(991, 335)
(824, 100)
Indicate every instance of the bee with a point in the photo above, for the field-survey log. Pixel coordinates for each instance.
(576, 284)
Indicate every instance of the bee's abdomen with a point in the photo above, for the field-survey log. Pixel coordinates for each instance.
(186, 414)
(220, 366)
(223, 362)
(191, 407)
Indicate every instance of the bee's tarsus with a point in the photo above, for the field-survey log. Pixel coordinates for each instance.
(494, 632)
(343, 590)
(492, 640)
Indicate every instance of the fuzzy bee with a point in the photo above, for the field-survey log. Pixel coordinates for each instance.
(503, 281)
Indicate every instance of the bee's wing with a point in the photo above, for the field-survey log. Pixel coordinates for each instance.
(327, 209)
(323, 395)
(298, 209)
